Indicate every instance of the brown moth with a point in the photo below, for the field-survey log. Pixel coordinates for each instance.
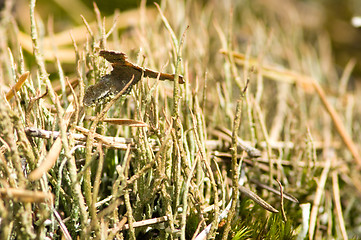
(123, 72)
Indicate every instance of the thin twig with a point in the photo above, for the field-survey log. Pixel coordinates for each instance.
(109, 142)
(338, 123)
(282, 207)
(318, 195)
(285, 195)
(62, 225)
(257, 199)
(336, 199)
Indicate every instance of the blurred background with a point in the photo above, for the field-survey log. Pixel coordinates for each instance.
(319, 17)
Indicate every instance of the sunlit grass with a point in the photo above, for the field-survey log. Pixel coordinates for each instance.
(262, 101)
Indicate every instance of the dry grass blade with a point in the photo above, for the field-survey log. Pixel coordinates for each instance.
(17, 86)
(108, 142)
(146, 222)
(282, 206)
(22, 195)
(62, 225)
(318, 195)
(285, 195)
(122, 122)
(106, 139)
(257, 199)
(118, 228)
(274, 72)
(338, 123)
(337, 200)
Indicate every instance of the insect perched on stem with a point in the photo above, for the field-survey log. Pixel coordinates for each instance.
(123, 72)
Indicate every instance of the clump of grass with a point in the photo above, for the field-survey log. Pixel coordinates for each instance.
(181, 161)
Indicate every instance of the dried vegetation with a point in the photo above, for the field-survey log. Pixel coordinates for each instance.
(261, 142)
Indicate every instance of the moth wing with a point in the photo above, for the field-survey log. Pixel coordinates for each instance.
(115, 58)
